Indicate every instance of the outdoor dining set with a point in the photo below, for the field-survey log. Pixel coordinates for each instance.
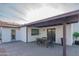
(47, 42)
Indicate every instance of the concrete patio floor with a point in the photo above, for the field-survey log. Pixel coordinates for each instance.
(31, 49)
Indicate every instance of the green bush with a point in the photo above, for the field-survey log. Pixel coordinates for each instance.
(76, 35)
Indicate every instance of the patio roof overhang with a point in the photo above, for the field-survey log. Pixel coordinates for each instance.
(71, 17)
(64, 19)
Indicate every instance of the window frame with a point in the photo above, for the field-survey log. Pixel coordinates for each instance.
(36, 32)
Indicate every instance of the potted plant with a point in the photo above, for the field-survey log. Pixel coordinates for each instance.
(76, 35)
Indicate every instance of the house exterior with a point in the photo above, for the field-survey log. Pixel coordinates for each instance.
(49, 27)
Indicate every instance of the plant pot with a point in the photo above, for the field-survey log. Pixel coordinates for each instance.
(77, 42)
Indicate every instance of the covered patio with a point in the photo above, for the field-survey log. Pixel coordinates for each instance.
(64, 19)
(20, 48)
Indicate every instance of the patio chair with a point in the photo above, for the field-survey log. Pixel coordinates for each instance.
(62, 41)
(49, 43)
(38, 41)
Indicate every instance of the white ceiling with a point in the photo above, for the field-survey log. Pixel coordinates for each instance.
(29, 12)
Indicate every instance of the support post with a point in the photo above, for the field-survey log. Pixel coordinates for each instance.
(64, 39)
(26, 34)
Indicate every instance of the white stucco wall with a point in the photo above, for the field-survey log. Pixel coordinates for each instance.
(69, 34)
(18, 34)
(59, 34)
(31, 37)
(43, 32)
(23, 34)
(6, 34)
(76, 27)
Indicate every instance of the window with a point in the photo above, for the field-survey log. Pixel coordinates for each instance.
(35, 32)
(13, 33)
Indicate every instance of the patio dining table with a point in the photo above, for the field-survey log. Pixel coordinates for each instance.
(41, 41)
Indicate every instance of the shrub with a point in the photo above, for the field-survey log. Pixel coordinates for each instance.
(76, 35)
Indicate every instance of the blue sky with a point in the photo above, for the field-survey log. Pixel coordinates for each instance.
(29, 12)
